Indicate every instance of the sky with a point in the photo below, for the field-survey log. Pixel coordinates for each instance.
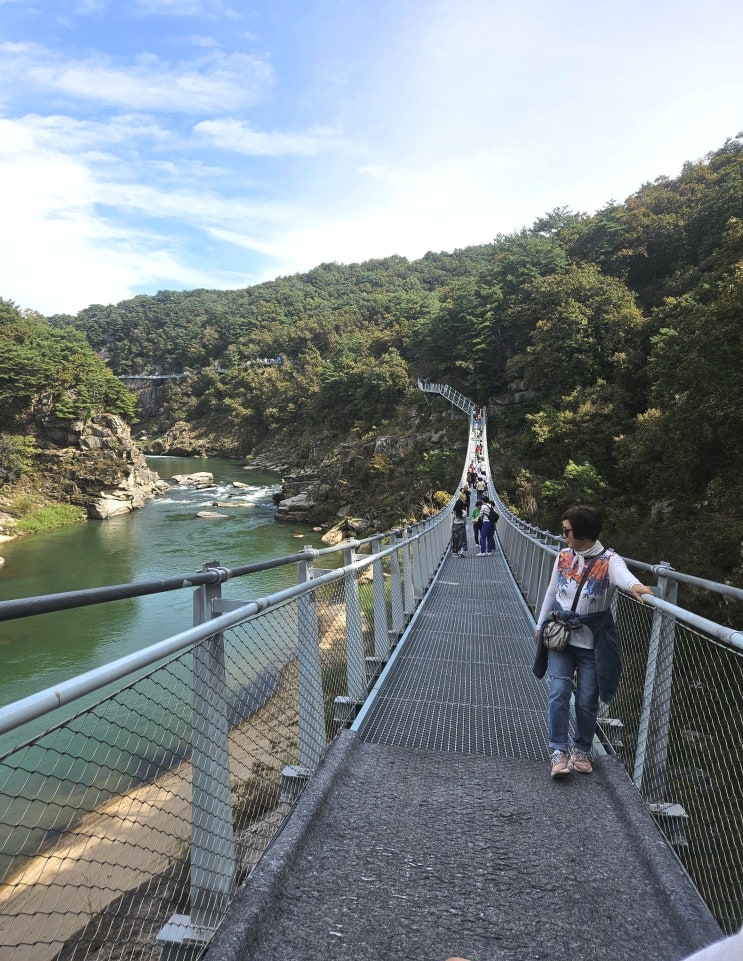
(151, 145)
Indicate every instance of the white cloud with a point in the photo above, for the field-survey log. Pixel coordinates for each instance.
(238, 136)
(58, 251)
(68, 135)
(383, 128)
(186, 8)
(216, 81)
(85, 7)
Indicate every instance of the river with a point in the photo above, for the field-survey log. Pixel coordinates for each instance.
(70, 770)
(163, 539)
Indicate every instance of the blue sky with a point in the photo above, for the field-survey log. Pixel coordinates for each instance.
(173, 144)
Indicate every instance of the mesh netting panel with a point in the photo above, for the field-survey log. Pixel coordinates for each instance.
(684, 748)
(96, 844)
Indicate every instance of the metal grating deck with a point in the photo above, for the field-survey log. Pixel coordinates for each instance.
(461, 678)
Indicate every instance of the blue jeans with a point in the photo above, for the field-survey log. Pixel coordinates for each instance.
(562, 667)
(487, 538)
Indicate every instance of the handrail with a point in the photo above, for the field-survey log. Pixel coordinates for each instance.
(727, 635)
(36, 705)
(69, 600)
(459, 400)
(47, 603)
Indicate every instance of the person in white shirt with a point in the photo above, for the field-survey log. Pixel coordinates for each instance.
(592, 656)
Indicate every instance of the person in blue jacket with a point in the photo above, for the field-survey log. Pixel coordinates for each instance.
(591, 663)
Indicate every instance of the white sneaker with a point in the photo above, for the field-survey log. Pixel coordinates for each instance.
(480, 554)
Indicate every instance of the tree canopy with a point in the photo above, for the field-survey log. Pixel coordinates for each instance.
(607, 348)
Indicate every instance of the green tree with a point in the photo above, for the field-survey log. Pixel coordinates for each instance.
(585, 327)
(36, 359)
(16, 457)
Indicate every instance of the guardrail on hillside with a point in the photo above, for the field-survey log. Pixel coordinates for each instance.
(453, 396)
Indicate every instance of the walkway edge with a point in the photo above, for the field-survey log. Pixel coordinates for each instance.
(260, 890)
(683, 899)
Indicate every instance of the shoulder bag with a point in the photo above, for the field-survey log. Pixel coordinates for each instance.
(556, 632)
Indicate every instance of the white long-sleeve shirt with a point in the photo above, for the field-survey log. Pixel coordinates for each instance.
(608, 573)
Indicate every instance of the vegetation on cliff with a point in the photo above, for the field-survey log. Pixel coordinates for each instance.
(607, 348)
(56, 393)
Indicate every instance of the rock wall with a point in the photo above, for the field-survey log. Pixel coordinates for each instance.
(180, 441)
(95, 464)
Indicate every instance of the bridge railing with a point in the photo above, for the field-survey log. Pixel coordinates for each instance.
(131, 819)
(676, 722)
(453, 396)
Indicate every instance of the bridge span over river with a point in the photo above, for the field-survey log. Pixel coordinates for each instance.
(356, 768)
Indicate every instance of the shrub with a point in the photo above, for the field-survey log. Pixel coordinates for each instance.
(49, 518)
(16, 454)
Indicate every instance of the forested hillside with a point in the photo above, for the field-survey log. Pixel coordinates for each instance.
(607, 348)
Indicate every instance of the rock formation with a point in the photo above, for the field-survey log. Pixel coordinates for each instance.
(96, 465)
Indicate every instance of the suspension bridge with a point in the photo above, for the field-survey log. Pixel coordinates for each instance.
(356, 767)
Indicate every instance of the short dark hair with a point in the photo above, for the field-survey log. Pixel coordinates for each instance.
(585, 521)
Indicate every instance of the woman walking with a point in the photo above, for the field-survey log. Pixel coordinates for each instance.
(487, 531)
(584, 579)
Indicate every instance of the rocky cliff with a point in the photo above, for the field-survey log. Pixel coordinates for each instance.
(96, 465)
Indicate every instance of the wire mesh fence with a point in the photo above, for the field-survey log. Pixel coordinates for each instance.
(121, 835)
(676, 721)
(682, 743)
(126, 828)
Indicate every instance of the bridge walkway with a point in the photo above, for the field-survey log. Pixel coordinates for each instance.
(432, 828)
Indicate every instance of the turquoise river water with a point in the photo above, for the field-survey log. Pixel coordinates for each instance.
(39, 788)
(164, 539)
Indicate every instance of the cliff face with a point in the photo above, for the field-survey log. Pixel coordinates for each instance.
(95, 464)
(367, 483)
(182, 440)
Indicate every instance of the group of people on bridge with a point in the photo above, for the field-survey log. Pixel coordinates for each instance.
(585, 660)
(483, 515)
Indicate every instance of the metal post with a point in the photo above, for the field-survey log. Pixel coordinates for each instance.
(381, 628)
(213, 875)
(407, 575)
(423, 575)
(425, 555)
(546, 564)
(396, 598)
(651, 757)
(529, 583)
(355, 662)
(521, 556)
(312, 738)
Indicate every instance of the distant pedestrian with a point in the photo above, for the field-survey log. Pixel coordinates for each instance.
(487, 533)
(589, 666)
(459, 528)
(477, 522)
